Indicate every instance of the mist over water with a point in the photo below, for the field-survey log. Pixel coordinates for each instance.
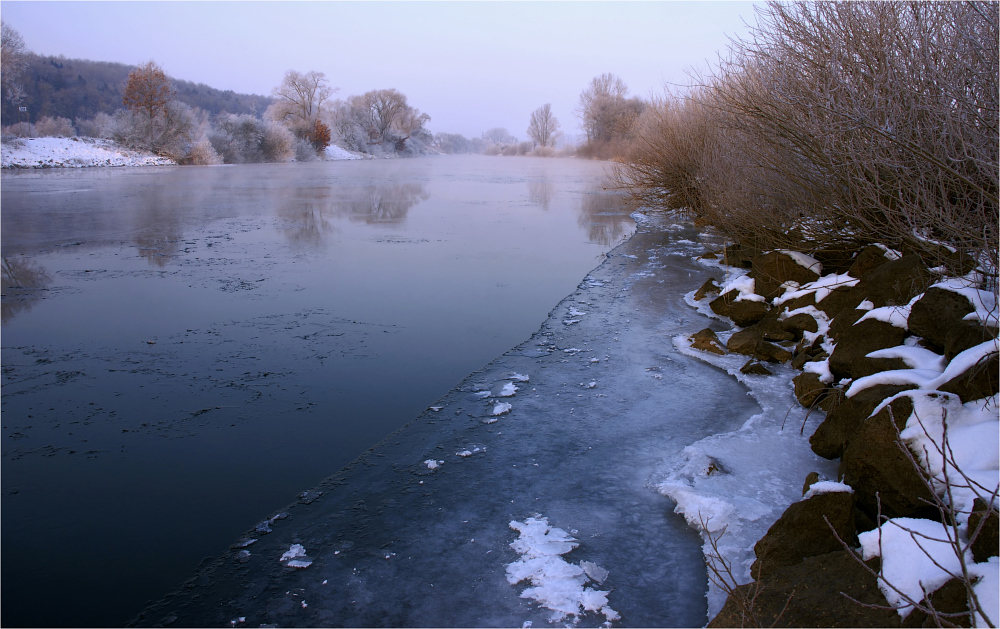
(185, 349)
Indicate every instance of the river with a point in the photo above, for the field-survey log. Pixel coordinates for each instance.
(186, 349)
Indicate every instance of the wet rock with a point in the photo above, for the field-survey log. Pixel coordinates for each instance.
(808, 595)
(773, 330)
(849, 358)
(966, 334)
(797, 324)
(755, 368)
(772, 353)
(867, 260)
(708, 288)
(987, 542)
(875, 466)
(896, 282)
(977, 382)
(772, 269)
(935, 314)
(808, 388)
(802, 531)
(745, 312)
(750, 342)
(841, 299)
(842, 423)
(799, 358)
(950, 598)
(707, 341)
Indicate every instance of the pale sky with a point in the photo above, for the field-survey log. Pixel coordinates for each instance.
(469, 65)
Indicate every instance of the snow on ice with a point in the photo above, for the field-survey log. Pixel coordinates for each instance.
(555, 583)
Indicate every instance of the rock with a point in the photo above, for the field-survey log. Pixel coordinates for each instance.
(750, 342)
(977, 382)
(772, 269)
(874, 465)
(868, 259)
(772, 353)
(799, 357)
(721, 304)
(840, 299)
(755, 368)
(844, 321)
(950, 598)
(811, 479)
(709, 255)
(935, 314)
(773, 330)
(841, 424)
(707, 341)
(834, 260)
(738, 255)
(808, 299)
(802, 532)
(966, 334)
(849, 358)
(987, 542)
(746, 312)
(707, 289)
(797, 324)
(895, 283)
(808, 595)
(808, 388)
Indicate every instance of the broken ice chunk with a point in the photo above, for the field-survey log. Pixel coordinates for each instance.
(295, 557)
(595, 360)
(432, 464)
(482, 394)
(594, 571)
(501, 408)
(570, 321)
(573, 312)
(464, 453)
(589, 385)
(507, 390)
(519, 377)
(436, 408)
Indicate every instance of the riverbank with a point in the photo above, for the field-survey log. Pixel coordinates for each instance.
(77, 152)
(900, 363)
(417, 532)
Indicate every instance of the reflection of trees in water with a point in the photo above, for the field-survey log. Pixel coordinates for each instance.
(161, 239)
(382, 203)
(540, 192)
(158, 248)
(605, 215)
(20, 286)
(308, 216)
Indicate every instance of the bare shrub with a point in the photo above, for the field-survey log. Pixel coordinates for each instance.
(19, 130)
(244, 139)
(100, 126)
(305, 151)
(54, 127)
(202, 153)
(168, 133)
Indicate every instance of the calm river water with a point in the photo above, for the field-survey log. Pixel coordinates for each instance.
(185, 349)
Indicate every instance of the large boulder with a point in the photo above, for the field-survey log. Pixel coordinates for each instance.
(772, 269)
(707, 341)
(834, 260)
(843, 422)
(977, 382)
(876, 467)
(987, 543)
(750, 342)
(743, 312)
(935, 314)
(797, 324)
(895, 283)
(802, 531)
(738, 255)
(808, 594)
(950, 598)
(850, 356)
(754, 368)
(708, 288)
(966, 334)
(808, 388)
(841, 299)
(867, 260)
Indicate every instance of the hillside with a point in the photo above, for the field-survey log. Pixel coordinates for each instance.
(79, 88)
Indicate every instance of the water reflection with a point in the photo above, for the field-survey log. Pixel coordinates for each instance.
(381, 203)
(20, 286)
(605, 216)
(540, 193)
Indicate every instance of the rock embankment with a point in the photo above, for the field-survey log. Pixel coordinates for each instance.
(904, 362)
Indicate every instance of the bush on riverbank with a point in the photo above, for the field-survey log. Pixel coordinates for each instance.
(836, 125)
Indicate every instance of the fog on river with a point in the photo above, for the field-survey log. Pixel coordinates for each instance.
(185, 349)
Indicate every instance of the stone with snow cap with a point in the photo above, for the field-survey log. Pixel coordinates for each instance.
(773, 269)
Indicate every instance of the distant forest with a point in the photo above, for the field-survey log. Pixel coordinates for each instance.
(78, 89)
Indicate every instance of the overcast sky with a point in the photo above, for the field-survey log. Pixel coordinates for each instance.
(469, 65)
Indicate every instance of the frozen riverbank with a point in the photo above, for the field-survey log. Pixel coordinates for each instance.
(602, 401)
(78, 152)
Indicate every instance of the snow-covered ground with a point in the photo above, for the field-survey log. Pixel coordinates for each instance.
(73, 153)
(89, 152)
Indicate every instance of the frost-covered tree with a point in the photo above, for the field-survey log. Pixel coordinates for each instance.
(380, 121)
(606, 111)
(13, 61)
(147, 90)
(543, 126)
(301, 100)
(499, 135)
(242, 139)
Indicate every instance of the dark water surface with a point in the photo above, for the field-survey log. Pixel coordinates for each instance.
(185, 349)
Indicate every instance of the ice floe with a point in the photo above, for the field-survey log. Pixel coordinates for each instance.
(295, 557)
(501, 408)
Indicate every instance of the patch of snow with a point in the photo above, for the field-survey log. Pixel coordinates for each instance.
(984, 301)
(744, 285)
(865, 305)
(821, 287)
(922, 378)
(892, 254)
(555, 583)
(827, 487)
(917, 558)
(334, 152)
(914, 357)
(803, 260)
(987, 590)
(821, 368)
(895, 316)
(501, 408)
(74, 153)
